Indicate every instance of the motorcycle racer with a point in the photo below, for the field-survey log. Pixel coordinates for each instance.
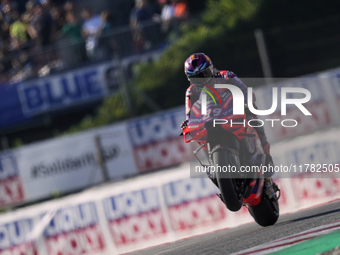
(199, 65)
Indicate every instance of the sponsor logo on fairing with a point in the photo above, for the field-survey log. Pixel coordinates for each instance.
(135, 216)
(74, 230)
(14, 238)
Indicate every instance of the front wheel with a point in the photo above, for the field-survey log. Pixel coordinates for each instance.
(266, 212)
(230, 197)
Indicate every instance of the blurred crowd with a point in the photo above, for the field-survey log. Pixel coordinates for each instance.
(37, 35)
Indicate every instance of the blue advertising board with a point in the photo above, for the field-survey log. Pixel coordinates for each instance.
(20, 102)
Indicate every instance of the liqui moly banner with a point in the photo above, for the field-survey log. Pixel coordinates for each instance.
(74, 230)
(11, 187)
(135, 217)
(192, 203)
(156, 142)
(14, 238)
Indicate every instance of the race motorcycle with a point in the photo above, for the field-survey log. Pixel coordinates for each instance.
(232, 146)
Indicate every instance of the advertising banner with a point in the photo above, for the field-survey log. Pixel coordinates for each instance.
(135, 217)
(14, 238)
(71, 163)
(156, 142)
(118, 153)
(11, 187)
(60, 165)
(74, 230)
(192, 203)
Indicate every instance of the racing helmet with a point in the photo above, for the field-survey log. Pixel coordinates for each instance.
(199, 65)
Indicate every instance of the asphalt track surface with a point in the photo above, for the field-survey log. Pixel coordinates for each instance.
(249, 235)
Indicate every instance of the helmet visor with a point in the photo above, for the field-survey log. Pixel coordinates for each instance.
(207, 74)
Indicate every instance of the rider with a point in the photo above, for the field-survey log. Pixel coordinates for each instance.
(199, 65)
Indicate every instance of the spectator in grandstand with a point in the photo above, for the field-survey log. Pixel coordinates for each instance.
(107, 19)
(91, 30)
(106, 45)
(5, 34)
(141, 12)
(19, 29)
(69, 7)
(7, 8)
(47, 4)
(29, 10)
(72, 30)
(180, 7)
(168, 11)
(21, 66)
(8, 14)
(12, 4)
(39, 28)
(15, 47)
(167, 15)
(58, 22)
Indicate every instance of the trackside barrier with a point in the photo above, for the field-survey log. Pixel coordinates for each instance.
(157, 208)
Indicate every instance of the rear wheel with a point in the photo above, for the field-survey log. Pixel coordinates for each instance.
(266, 212)
(230, 197)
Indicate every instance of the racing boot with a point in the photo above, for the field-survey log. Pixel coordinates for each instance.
(271, 189)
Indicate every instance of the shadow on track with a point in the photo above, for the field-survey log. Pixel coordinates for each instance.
(307, 217)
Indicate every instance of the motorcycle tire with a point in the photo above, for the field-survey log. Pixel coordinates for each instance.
(232, 200)
(266, 213)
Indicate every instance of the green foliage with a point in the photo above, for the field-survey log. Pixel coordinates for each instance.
(228, 12)
(4, 209)
(113, 109)
(17, 143)
(56, 194)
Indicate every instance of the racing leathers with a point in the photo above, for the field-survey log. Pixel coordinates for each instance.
(220, 77)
